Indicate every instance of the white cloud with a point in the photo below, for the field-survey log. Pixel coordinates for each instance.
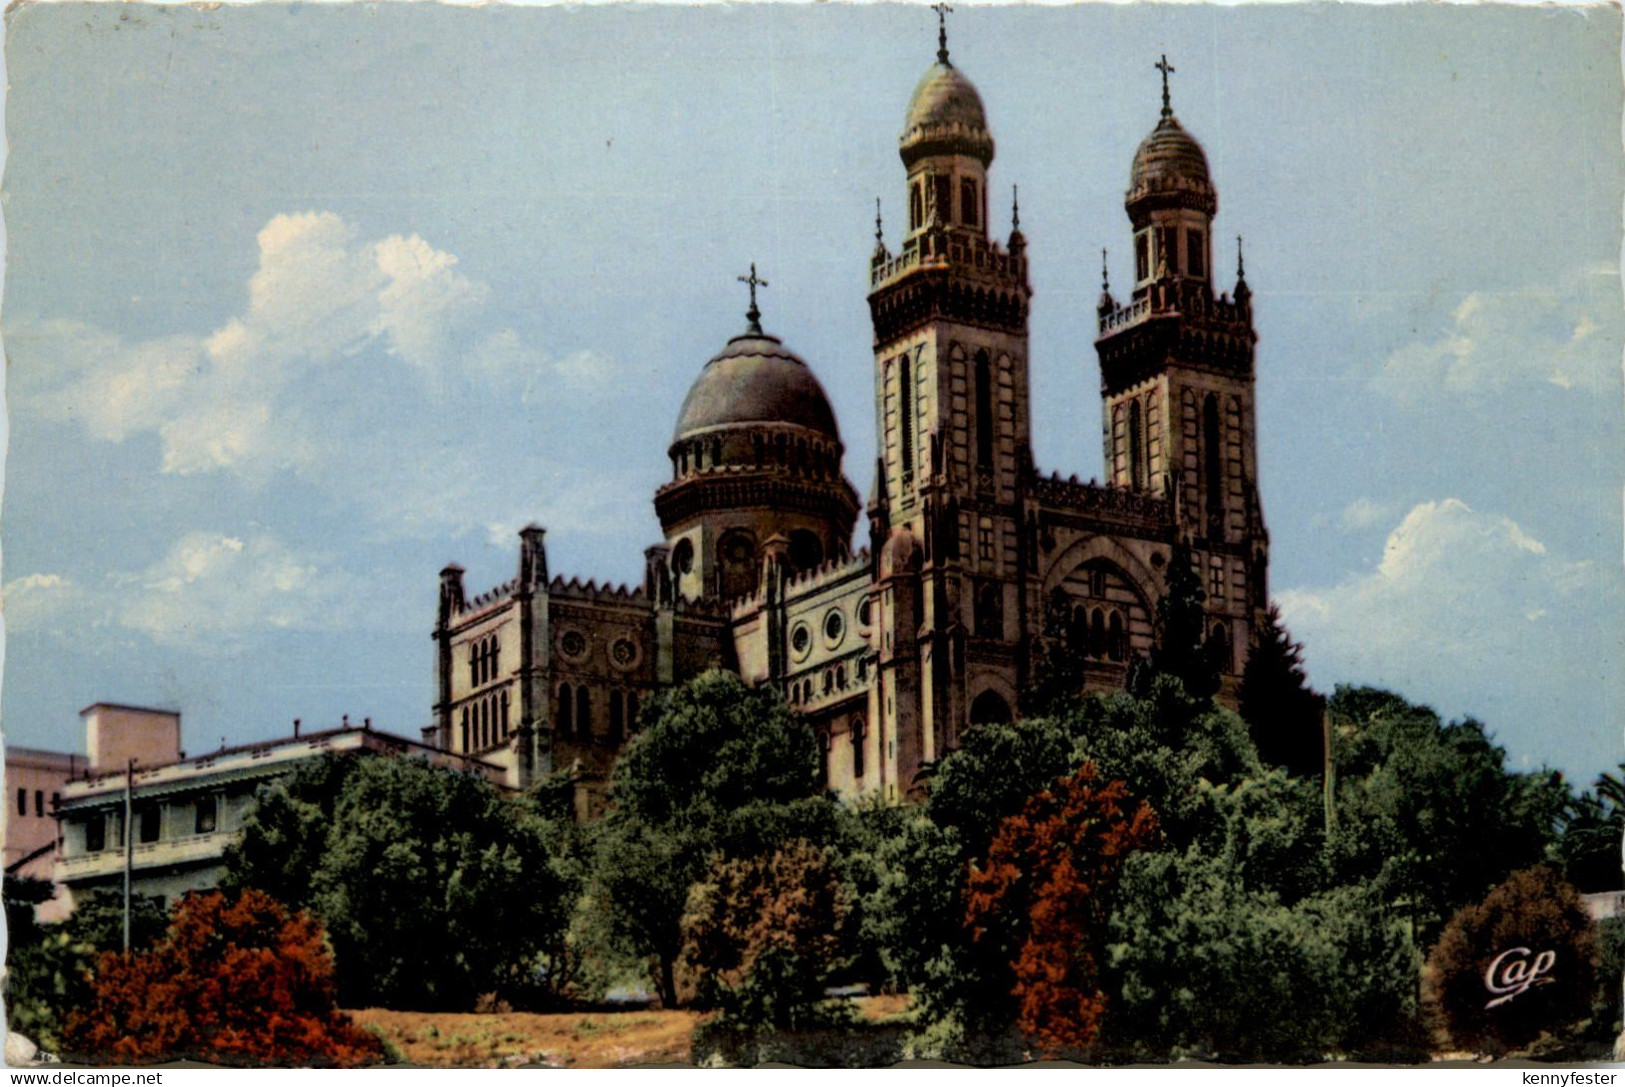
(209, 593)
(1468, 610)
(371, 369)
(1361, 514)
(1567, 336)
(39, 602)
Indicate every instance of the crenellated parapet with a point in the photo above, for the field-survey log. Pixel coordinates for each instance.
(1181, 319)
(834, 572)
(590, 591)
(1120, 505)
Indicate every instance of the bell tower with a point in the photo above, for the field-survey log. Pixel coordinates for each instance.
(951, 391)
(1176, 369)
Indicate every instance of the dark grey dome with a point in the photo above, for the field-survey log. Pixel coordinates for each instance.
(756, 379)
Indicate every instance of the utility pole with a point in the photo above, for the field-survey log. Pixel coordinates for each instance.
(129, 844)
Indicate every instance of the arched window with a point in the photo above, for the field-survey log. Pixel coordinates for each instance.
(565, 711)
(858, 748)
(505, 729)
(465, 737)
(916, 209)
(1219, 648)
(829, 682)
(584, 713)
(905, 414)
(1116, 640)
(970, 204)
(1097, 634)
(1212, 465)
(984, 410)
(496, 657)
(1142, 257)
(990, 708)
(616, 721)
(989, 612)
(806, 550)
(1136, 446)
(716, 452)
(738, 566)
(473, 664)
(840, 677)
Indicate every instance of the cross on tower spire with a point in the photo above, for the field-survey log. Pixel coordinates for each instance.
(880, 237)
(753, 315)
(1105, 282)
(1015, 208)
(1166, 69)
(942, 9)
(1241, 264)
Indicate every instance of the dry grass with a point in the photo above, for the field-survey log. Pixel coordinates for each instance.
(506, 1039)
(568, 1040)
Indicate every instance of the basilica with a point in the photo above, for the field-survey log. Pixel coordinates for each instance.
(891, 651)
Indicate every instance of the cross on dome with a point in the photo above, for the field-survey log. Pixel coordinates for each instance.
(753, 315)
(942, 9)
(1166, 69)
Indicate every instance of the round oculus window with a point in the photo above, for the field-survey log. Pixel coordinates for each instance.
(834, 628)
(801, 640)
(573, 644)
(624, 652)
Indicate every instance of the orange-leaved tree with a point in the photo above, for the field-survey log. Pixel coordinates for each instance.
(1038, 904)
(236, 980)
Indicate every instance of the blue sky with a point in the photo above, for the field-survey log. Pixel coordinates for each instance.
(303, 302)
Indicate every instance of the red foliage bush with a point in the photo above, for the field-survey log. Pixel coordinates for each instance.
(234, 981)
(1040, 901)
(1533, 942)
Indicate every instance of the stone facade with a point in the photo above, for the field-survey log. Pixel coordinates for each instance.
(892, 651)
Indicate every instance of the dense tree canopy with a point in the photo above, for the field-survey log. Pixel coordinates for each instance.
(721, 769)
(352, 839)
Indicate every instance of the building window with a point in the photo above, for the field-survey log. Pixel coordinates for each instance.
(1215, 582)
(944, 193)
(1136, 444)
(916, 210)
(1116, 642)
(39, 802)
(617, 723)
(204, 819)
(505, 729)
(970, 203)
(465, 736)
(1213, 467)
(985, 539)
(905, 415)
(22, 801)
(584, 713)
(1167, 249)
(984, 410)
(1142, 257)
(1219, 648)
(1195, 253)
(565, 710)
(989, 709)
(95, 834)
(149, 823)
(857, 748)
(990, 612)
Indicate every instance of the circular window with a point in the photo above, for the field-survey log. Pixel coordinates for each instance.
(801, 640)
(834, 628)
(866, 612)
(624, 652)
(573, 644)
(1156, 559)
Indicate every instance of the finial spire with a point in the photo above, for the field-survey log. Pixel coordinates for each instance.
(1105, 281)
(1015, 208)
(942, 9)
(753, 315)
(1241, 263)
(880, 237)
(1165, 68)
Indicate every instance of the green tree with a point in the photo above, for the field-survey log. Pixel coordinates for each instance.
(1183, 649)
(1278, 704)
(1593, 827)
(721, 768)
(1427, 810)
(490, 896)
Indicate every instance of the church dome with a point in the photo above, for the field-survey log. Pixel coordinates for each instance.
(756, 379)
(945, 117)
(1171, 162)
